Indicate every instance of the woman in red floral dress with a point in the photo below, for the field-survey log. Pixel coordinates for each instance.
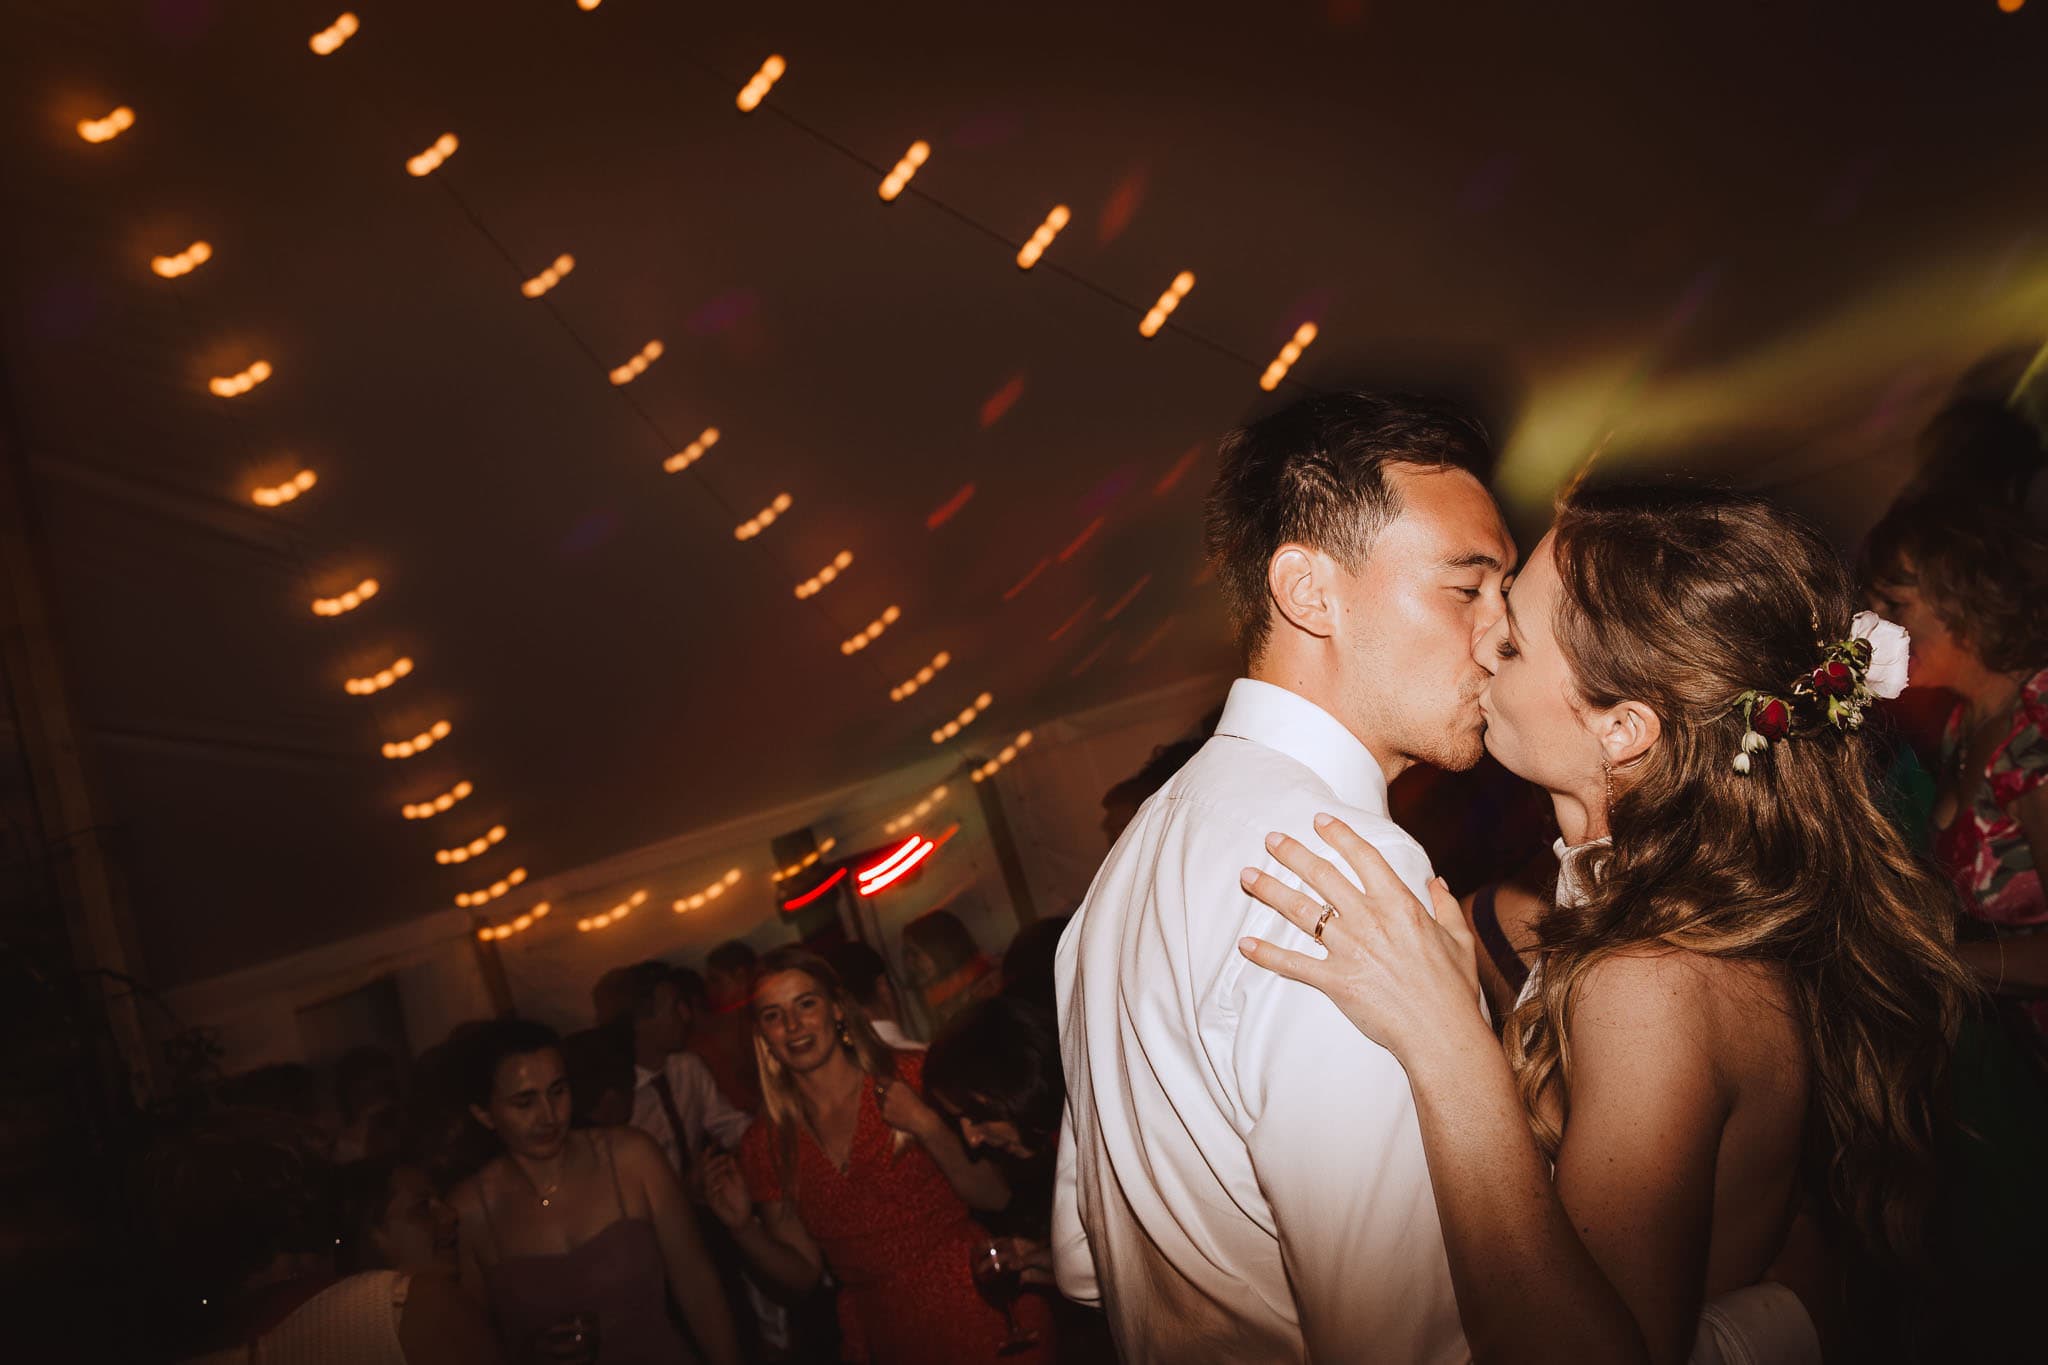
(849, 1170)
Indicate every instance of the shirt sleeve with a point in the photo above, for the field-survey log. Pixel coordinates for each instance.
(2022, 768)
(1072, 1259)
(1337, 1151)
(706, 1108)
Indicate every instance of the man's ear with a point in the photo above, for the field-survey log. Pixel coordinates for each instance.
(1626, 732)
(483, 1116)
(1299, 580)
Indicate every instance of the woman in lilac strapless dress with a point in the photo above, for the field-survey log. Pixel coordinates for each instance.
(576, 1238)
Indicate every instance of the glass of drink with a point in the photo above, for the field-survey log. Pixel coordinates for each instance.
(571, 1340)
(1000, 1282)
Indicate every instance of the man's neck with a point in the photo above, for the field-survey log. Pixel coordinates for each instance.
(649, 1056)
(1292, 673)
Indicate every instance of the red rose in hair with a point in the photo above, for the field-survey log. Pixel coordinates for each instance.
(1772, 720)
(1833, 679)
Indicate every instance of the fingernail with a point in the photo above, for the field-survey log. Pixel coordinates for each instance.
(1245, 946)
(1322, 820)
(1273, 839)
(1248, 876)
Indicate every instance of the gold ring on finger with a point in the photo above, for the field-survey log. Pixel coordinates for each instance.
(1329, 913)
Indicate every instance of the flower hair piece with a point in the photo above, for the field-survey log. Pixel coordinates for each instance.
(1870, 664)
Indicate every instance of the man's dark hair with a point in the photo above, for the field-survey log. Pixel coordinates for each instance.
(1166, 760)
(362, 1074)
(734, 957)
(1000, 1061)
(690, 985)
(861, 970)
(1314, 474)
(643, 981)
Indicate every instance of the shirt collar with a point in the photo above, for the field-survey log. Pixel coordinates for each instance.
(1295, 726)
(1570, 890)
(642, 1076)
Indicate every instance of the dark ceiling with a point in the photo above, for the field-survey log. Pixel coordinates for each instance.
(1785, 228)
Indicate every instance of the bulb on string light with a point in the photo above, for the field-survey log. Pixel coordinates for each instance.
(235, 385)
(698, 900)
(809, 860)
(419, 743)
(1042, 238)
(429, 161)
(475, 848)
(1004, 758)
(279, 494)
(328, 40)
(184, 263)
(893, 183)
(822, 579)
(915, 813)
(348, 601)
(117, 122)
(871, 631)
(465, 899)
(588, 5)
(967, 717)
(1168, 301)
(378, 681)
(427, 810)
(1289, 353)
(550, 277)
(923, 675)
(755, 90)
(637, 366)
(691, 453)
(763, 519)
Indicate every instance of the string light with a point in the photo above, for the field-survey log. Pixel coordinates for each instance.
(946, 510)
(691, 453)
(1041, 239)
(184, 263)
(1028, 579)
(822, 579)
(921, 677)
(328, 40)
(348, 601)
(378, 681)
(1073, 547)
(549, 278)
(1003, 759)
(637, 366)
(1289, 353)
(235, 385)
(588, 5)
(615, 914)
(117, 122)
(279, 494)
(427, 810)
(799, 902)
(698, 900)
(960, 722)
(489, 932)
(2010, 6)
(763, 519)
(895, 180)
(429, 161)
(1168, 301)
(1071, 621)
(465, 899)
(915, 813)
(898, 864)
(475, 848)
(872, 630)
(803, 864)
(419, 743)
(1117, 608)
(756, 90)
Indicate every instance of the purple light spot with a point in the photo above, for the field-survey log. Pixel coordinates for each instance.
(1489, 186)
(593, 530)
(1108, 491)
(180, 21)
(64, 311)
(986, 130)
(725, 311)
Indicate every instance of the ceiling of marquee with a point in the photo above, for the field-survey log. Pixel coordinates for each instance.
(1774, 234)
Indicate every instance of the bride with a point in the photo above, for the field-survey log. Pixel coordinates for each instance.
(1744, 994)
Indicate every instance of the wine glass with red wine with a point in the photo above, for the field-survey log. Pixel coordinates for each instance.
(1000, 1283)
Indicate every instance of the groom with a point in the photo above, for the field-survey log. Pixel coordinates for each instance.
(1241, 1177)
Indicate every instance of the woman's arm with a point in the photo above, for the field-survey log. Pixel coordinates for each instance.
(773, 1240)
(467, 1200)
(1607, 1263)
(692, 1281)
(978, 1183)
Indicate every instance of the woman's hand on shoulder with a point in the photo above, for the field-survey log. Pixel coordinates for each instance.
(1398, 972)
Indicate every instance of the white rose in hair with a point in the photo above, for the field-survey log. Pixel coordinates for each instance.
(1890, 648)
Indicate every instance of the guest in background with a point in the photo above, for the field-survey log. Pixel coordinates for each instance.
(1027, 962)
(675, 1101)
(611, 995)
(436, 1129)
(1120, 803)
(569, 1229)
(866, 978)
(946, 965)
(601, 1082)
(243, 1220)
(387, 1216)
(366, 1094)
(693, 998)
(849, 1170)
(723, 1037)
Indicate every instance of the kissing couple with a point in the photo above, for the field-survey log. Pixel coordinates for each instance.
(1291, 1131)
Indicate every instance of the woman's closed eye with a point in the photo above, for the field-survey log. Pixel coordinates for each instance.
(1505, 649)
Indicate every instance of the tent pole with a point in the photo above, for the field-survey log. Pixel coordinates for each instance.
(1007, 857)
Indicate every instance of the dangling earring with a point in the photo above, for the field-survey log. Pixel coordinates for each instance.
(845, 1038)
(1607, 778)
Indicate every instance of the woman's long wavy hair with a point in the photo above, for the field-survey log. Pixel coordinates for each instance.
(781, 1103)
(1681, 600)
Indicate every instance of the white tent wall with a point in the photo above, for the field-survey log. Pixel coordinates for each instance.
(1050, 795)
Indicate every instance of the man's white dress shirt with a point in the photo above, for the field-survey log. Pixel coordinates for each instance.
(1241, 1176)
(703, 1110)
